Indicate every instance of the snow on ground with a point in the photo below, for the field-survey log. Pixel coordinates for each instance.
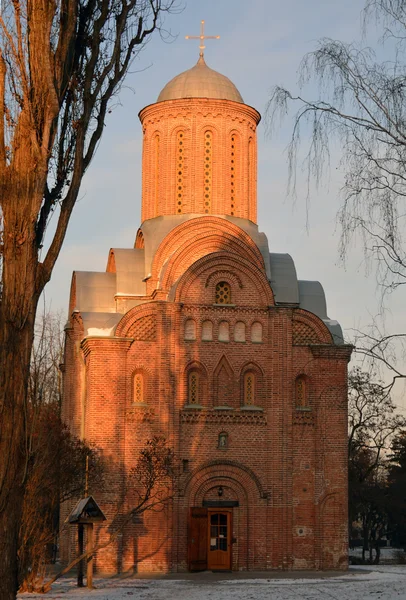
(360, 583)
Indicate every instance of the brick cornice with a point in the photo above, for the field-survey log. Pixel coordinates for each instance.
(205, 105)
(332, 352)
(103, 343)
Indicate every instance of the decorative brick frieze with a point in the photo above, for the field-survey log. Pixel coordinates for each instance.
(140, 414)
(222, 417)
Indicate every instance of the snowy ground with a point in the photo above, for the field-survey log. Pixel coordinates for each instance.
(360, 583)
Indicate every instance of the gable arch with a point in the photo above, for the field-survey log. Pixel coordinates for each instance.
(195, 238)
(217, 264)
(307, 329)
(134, 317)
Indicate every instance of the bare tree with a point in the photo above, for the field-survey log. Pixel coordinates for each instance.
(362, 105)
(61, 63)
(152, 482)
(373, 423)
(56, 466)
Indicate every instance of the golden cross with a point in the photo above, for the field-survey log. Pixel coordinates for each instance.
(202, 37)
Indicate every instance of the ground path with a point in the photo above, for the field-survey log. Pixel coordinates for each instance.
(360, 583)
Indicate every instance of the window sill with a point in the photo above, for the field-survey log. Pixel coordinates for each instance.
(252, 407)
(193, 407)
(303, 409)
(225, 305)
(140, 405)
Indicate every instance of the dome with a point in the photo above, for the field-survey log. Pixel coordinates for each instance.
(200, 82)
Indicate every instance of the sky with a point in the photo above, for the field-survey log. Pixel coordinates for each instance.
(261, 44)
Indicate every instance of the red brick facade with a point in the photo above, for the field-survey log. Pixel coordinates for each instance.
(249, 390)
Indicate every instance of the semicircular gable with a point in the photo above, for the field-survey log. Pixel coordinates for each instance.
(307, 328)
(256, 283)
(197, 237)
(139, 323)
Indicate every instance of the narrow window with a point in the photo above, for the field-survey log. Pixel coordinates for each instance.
(250, 175)
(207, 331)
(208, 169)
(190, 329)
(233, 162)
(249, 389)
(300, 392)
(224, 331)
(223, 293)
(180, 138)
(239, 332)
(139, 389)
(193, 388)
(156, 182)
(256, 332)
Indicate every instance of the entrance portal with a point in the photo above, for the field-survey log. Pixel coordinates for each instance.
(209, 539)
(219, 546)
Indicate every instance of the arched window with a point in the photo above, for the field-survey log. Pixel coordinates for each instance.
(239, 332)
(190, 329)
(207, 331)
(180, 139)
(193, 387)
(249, 389)
(233, 173)
(156, 170)
(251, 176)
(208, 168)
(256, 332)
(300, 392)
(224, 332)
(138, 388)
(223, 293)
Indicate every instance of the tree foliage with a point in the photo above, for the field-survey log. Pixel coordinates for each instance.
(362, 106)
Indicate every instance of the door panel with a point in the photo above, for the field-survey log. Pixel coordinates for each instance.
(219, 543)
(197, 539)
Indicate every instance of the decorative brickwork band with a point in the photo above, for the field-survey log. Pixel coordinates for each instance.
(223, 417)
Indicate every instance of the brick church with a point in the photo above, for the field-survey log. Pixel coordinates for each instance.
(202, 335)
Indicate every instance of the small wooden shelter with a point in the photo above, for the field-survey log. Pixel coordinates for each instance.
(85, 513)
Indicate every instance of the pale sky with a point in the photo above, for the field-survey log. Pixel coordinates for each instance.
(262, 43)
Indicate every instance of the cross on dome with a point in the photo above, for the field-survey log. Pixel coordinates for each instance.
(202, 37)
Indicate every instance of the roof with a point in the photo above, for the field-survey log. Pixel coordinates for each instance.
(200, 82)
(86, 511)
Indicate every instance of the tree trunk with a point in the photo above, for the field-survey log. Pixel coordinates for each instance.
(18, 304)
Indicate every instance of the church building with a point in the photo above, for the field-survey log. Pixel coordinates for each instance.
(202, 335)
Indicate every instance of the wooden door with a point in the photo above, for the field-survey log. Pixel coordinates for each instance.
(197, 539)
(219, 542)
